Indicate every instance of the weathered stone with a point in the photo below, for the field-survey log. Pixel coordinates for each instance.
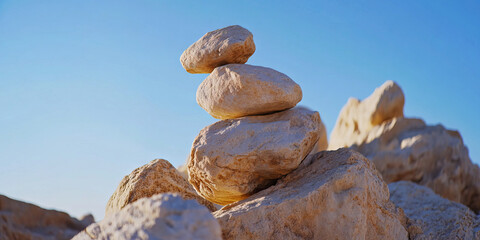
(357, 117)
(233, 44)
(408, 149)
(331, 195)
(238, 90)
(232, 159)
(183, 171)
(20, 220)
(322, 143)
(431, 216)
(162, 216)
(158, 176)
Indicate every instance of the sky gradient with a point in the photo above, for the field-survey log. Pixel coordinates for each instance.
(90, 90)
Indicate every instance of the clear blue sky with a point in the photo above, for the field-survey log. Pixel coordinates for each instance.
(90, 90)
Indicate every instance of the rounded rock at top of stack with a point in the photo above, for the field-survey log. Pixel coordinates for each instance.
(232, 44)
(239, 90)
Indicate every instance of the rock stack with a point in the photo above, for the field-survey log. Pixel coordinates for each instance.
(262, 136)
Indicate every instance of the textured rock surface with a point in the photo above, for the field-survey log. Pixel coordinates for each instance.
(232, 159)
(408, 149)
(233, 44)
(431, 216)
(332, 195)
(238, 90)
(20, 220)
(357, 117)
(162, 216)
(183, 171)
(158, 176)
(322, 143)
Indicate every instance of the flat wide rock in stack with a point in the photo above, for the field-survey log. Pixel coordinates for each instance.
(20, 220)
(238, 90)
(232, 159)
(158, 176)
(332, 195)
(162, 216)
(431, 217)
(408, 149)
(233, 44)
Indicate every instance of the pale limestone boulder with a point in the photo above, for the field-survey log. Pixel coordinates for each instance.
(358, 117)
(432, 156)
(158, 176)
(331, 195)
(322, 143)
(238, 90)
(232, 159)
(162, 216)
(183, 171)
(20, 220)
(431, 217)
(233, 44)
(408, 149)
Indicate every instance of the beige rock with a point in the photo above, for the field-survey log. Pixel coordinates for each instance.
(183, 171)
(20, 220)
(238, 90)
(322, 143)
(232, 159)
(162, 216)
(408, 149)
(158, 176)
(431, 217)
(233, 44)
(332, 195)
(358, 117)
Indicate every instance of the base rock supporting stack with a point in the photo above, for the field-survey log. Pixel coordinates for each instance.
(431, 217)
(20, 220)
(331, 195)
(262, 136)
(162, 216)
(408, 149)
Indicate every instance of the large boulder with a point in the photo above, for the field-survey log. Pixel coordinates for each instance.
(431, 217)
(357, 117)
(331, 195)
(20, 220)
(162, 216)
(232, 159)
(158, 176)
(233, 44)
(408, 149)
(238, 90)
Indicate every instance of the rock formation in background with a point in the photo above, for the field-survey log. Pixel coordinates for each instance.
(431, 217)
(232, 44)
(331, 195)
(408, 149)
(20, 220)
(262, 137)
(158, 176)
(162, 216)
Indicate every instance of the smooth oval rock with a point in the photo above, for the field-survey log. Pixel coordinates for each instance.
(238, 90)
(331, 195)
(233, 44)
(162, 216)
(232, 159)
(158, 176)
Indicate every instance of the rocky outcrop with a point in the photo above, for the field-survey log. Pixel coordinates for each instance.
(158, 176)
(162, 216)
(332, 195)
(357, 117)
(431, 217)
(233, 44)
(238, 90)
(408, 149)
(232, 159)
(20, 220)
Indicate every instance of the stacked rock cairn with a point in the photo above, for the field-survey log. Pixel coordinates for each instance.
(261, 136)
